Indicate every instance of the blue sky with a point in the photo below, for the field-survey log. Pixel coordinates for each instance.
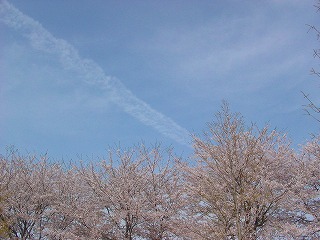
(79, 76)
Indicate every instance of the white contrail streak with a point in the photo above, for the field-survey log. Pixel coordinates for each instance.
(92, 73)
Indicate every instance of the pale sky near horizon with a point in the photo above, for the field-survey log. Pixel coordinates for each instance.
(79, 76)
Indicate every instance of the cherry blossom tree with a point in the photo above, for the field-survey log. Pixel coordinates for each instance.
(163, 195)
(45, 201)
(138, 194)
(241, 181)
(304, 212)
(3, 193)
(74, 213)
(3, 224)
(28, 184)
(3, 220)
(117, 186)
(135, 194)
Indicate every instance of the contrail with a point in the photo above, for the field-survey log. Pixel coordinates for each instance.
(93, 74)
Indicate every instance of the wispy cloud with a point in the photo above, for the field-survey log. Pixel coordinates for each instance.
(91, 72)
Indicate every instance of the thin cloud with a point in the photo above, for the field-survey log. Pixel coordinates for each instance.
(91, 72)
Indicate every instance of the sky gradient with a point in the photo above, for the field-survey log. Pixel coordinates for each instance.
(80, 76)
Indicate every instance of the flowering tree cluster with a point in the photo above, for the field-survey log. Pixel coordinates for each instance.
(242, 183)
(305, 213)
(134, 194)
(249, 184)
